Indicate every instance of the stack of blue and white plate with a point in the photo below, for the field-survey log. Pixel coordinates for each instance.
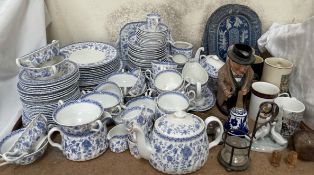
(96, 61)
(146, 46)
(41, 94)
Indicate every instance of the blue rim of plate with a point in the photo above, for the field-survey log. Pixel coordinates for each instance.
(110, 51)
(211, 34)
(207, 105)
(72, 69)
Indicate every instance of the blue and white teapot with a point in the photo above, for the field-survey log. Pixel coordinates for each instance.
(178, 143)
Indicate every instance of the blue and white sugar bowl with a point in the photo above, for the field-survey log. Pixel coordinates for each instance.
(178, 142)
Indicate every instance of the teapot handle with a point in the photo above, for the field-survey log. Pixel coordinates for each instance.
(220, 131)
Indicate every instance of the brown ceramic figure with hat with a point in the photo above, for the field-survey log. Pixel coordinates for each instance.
(236, 75)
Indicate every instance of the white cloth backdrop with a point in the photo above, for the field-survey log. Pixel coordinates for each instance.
(295, 42)
(22, 30)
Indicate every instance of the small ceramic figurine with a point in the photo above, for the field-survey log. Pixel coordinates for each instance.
(276, 158)
(236, 75)
(292, 159)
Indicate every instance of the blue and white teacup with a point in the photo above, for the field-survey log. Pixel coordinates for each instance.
(152, 22)
(168, 80)
(38, 149)
(148, 102)
(170, 102)
(118, 139)
(126, 81)
(79, 116)
(158, 66)
(109, 101)
(34, 131)
(237, 121)
(183, 48)
(80, 147)
(140, 115)
(109, 86)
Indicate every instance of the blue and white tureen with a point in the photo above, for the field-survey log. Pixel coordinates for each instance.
(178, 143)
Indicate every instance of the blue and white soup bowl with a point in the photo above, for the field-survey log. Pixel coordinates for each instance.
(118, 139)
(80, 147)
(237, 121)
(79, 116)
(178, 143)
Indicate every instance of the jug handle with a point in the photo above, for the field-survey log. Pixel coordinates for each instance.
(52, 143)
(220, 131)
(285, 94)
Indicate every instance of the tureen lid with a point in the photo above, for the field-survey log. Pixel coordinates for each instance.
(179, 125)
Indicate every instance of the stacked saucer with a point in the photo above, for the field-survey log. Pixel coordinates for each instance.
(96, 61)
(146, 46)
(41, 95)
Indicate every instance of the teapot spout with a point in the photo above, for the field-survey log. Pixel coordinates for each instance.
(143, 145)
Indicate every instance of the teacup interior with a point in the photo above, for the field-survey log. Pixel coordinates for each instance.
(110, 88)
(182, 45)
(168, 81)
(119, 130)
(265, 88)
(123, 80)
(149, 103)
(173, 102)
(6, 146)
(78, 114)
(106, 100)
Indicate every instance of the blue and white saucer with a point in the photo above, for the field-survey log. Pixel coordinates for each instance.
(210, 101)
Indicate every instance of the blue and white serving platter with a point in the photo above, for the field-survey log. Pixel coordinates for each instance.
(228, 25)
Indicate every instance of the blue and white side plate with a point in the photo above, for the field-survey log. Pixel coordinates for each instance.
(228, 25)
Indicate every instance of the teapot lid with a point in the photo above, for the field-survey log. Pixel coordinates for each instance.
(179, 125)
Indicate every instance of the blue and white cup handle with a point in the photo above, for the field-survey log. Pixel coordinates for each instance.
(220, 131)
(149, 75)
(10, 157)
(117, 110)
(52, 143)
(149, 92)
(97, 126)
